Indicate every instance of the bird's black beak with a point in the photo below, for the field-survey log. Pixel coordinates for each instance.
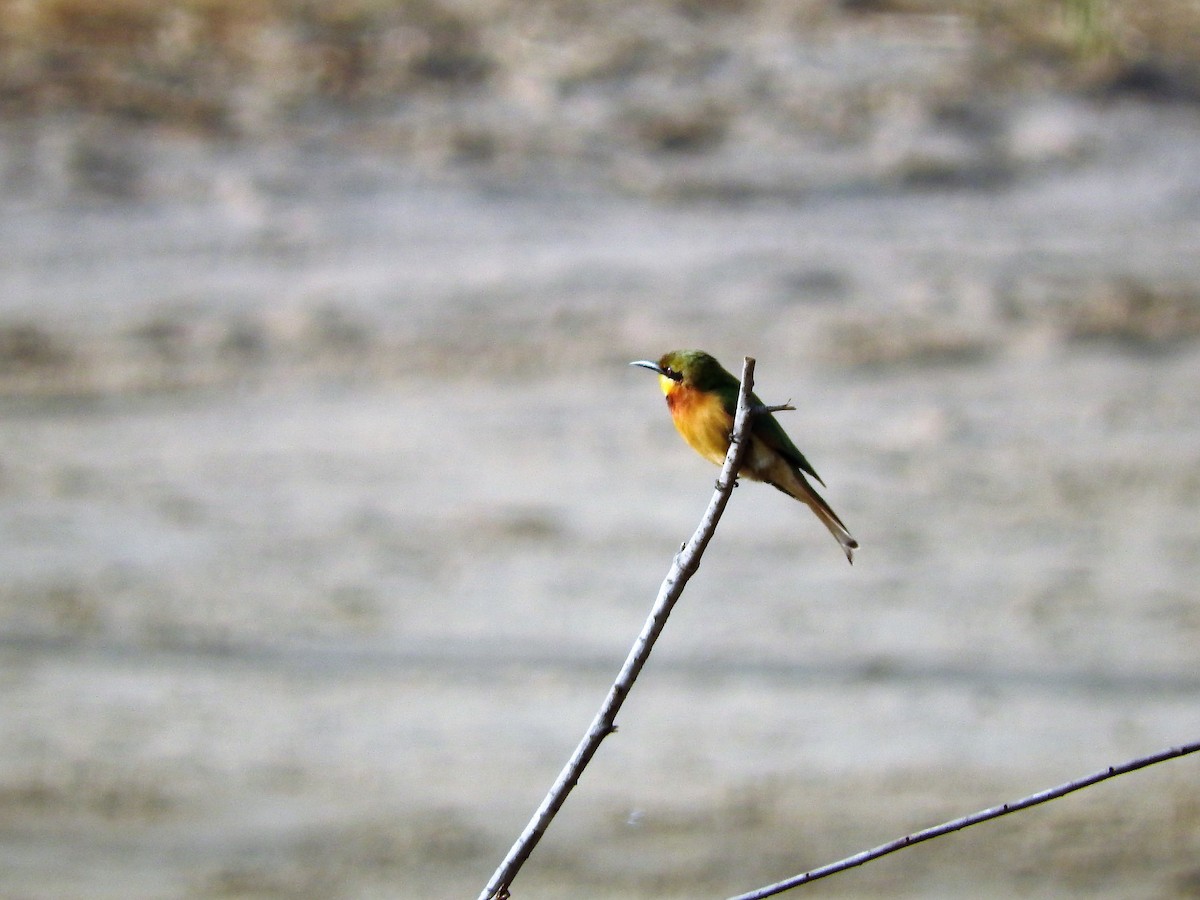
(647, 364)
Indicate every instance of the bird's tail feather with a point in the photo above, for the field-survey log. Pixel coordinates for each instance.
(835, 525)
(798, 487)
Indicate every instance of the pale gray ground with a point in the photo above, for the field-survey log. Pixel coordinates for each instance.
(329, 510)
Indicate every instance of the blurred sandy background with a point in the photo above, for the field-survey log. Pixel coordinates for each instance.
(329, 508)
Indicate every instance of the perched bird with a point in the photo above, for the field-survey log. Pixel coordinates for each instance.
(702, 397)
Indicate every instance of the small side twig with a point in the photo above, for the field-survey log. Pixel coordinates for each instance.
(782, 407)
(966, 821)
(686, 562)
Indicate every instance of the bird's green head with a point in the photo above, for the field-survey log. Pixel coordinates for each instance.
(688, 368)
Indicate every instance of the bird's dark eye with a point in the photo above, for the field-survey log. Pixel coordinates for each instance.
(672, 374)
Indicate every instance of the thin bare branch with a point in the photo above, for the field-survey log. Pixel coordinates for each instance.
(974, 819)
(686, 562)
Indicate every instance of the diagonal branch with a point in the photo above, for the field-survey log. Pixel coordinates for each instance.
(686, 562)
(966, 821)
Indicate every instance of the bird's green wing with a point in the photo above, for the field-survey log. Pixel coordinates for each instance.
(768, 430)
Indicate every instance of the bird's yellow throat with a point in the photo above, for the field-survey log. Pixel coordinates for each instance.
(700, 418)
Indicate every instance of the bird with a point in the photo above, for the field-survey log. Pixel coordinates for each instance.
(702, 397)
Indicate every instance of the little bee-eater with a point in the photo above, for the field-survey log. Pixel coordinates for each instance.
(702, 397)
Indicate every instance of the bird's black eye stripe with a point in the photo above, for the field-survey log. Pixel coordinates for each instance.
(672, 374)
